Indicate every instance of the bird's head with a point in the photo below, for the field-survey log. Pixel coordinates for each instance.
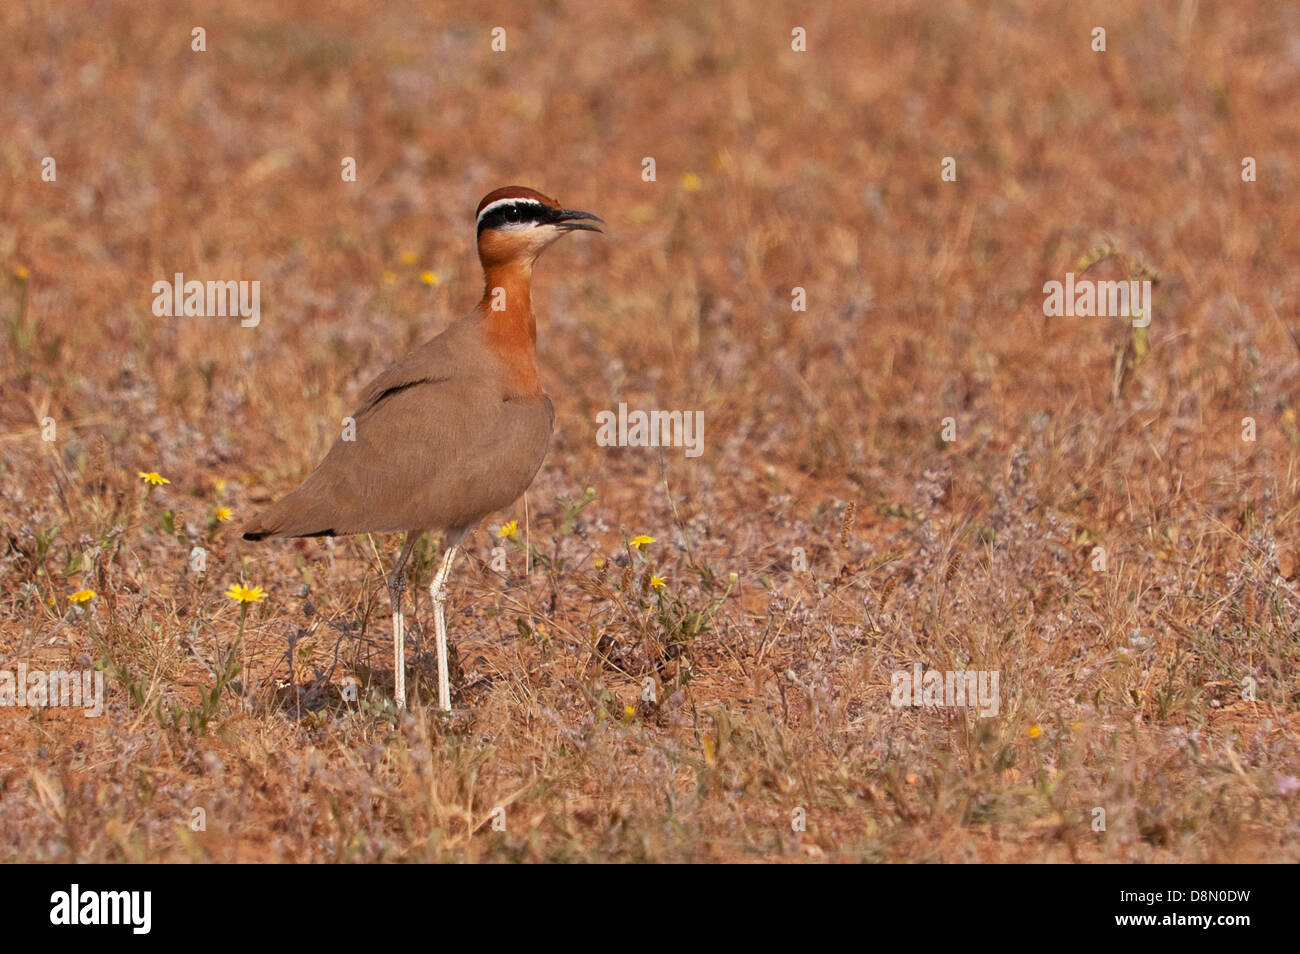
(517, 223)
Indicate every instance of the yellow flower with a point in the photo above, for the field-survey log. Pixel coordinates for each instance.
(222, 514)
(408, 258)
(243, 594)
(641, 213)
(1035, 731)
(429, 278)
(599, 562)
(640, 541)
(218, 484)
(153, 478)
(390, 278)
(82, 596)
(629, 711)
(657, 582)
(691, 182)
(21, 273)
(508, 530)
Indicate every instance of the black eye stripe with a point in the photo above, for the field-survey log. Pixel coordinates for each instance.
(515, 212)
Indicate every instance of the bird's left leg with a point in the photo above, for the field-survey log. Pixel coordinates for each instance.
(438, 593)
(396, 587)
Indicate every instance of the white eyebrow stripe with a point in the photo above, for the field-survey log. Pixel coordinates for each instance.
(492, 205)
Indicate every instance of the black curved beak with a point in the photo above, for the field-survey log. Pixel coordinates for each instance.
(572, 220)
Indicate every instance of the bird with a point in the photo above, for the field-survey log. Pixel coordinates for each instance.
(453, 431)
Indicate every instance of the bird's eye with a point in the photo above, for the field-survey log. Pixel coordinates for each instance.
(513, 213)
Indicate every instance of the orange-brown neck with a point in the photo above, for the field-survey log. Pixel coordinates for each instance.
(507, 308)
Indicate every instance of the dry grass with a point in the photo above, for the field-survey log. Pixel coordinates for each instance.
(1120, 689)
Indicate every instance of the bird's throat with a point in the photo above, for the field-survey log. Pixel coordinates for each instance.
(508, 322)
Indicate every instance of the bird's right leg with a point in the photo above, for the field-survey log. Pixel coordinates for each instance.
(396, 587)
(438, 593)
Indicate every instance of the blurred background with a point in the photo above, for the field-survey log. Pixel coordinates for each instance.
(775, 169)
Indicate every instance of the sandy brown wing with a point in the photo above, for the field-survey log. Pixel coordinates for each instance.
(392, 474)
(426, 456)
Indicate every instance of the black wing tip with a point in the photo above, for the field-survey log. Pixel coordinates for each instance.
(263, 534)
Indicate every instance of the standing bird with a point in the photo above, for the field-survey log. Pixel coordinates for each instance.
(452, 432)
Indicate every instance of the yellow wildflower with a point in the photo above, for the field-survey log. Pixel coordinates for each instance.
(657, 582)
(691, 182)
(1035, 731)
(243, 594)
(82, 596)
(153, 478)
(508, 530)
(408, 258)
(640, 541)
(222, 514)
(429, 278)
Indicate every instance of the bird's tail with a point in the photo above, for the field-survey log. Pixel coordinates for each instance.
(287, 517)
(259, 527)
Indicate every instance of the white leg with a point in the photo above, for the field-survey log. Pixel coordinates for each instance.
(399, 656)
(396, 587)
(438, 593)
